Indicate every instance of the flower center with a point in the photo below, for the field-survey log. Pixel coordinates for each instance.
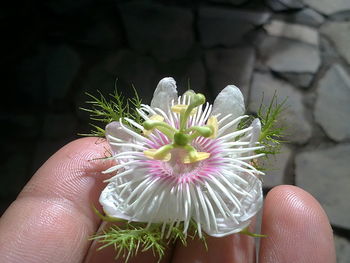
(182, 137)
(176, 164)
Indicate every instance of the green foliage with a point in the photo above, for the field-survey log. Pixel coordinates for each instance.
(116, 108)
(271, 132)
(132, 238)
(245, 123)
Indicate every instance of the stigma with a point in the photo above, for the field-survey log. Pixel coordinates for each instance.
(183, 135)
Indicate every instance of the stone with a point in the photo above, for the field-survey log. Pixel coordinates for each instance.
(66, 7)
(340, 16)
(308, 16)
(276, 167)
(58, 126)
(47, 74)
(285, 55)
(297, 127)
(301, 80)
(227, 27)
(292, 31)
(328, 7)
(339, 34)
(328, 53)
(22, 125)
(342, 248)
(232, 2)
(163, 31)
(324, 173)
(332, 109)
(15, 162)
(101, 34)
(230, 66)
(61, 70)
(131, 69)
(282, 5)
(44, 149)
(30, 80)
(123, 70)
(4, 204)
(188, 73)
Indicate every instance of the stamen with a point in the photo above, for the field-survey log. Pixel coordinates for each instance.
(201, 130)
(155, 117)
(156, 155)
(213, 124)
(199, 156)
(181, 108)
(159, 124)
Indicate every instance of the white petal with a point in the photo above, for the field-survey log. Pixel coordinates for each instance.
(250, 205)
(164, 93)
(229, 101)
(115, 133)
(152, 201)
(109, 202)
(256, 124)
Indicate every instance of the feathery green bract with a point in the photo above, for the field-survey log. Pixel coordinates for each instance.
(115, 108)
(271, 133)
(132, 238)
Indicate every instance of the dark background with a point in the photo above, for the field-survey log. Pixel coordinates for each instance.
(55, 51)
(52, 52)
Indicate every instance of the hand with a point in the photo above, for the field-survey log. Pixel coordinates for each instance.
(52, 220)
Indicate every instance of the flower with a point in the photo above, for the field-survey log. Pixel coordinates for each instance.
(187, 161)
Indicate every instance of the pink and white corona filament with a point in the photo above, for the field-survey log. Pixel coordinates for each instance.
(188, 161)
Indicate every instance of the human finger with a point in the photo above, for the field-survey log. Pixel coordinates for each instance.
(297, 228)
(51, 220)
(232, 248)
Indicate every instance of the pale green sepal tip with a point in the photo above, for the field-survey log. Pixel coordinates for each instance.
(245, 231)
(106, 217)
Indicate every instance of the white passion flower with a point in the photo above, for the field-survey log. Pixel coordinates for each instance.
(188, 161)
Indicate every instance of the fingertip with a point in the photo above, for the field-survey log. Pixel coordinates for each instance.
(299, 202)
(232, 248)
(87, 153)
(55, 205)
(295, 222)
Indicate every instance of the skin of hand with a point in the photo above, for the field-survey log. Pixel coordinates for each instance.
(52, 220)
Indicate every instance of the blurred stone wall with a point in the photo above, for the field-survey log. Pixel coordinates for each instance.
(55, 51)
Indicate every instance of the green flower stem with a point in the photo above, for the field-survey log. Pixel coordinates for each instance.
(196, 100)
